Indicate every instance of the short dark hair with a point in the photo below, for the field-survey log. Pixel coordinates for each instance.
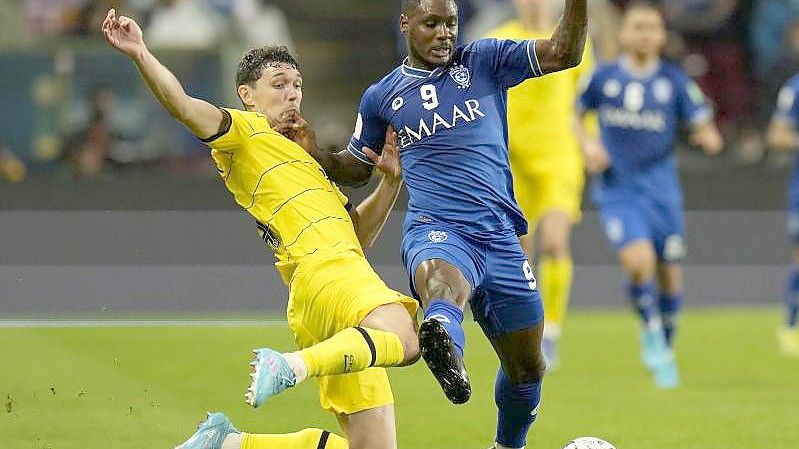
(253, 62)
(407, 5)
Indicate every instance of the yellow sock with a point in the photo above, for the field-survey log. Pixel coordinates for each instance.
(556, 282)
(304, 439)
(351, 350)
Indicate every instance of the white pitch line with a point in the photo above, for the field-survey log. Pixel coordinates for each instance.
(137, 323)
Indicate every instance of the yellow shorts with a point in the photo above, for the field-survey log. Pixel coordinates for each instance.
(328, 294)
(549, 185)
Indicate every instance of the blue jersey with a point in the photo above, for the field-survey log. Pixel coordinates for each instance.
(453, 134)
(788, 112)
(639, 116)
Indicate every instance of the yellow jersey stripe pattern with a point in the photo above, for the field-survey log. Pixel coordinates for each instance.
(298, 209)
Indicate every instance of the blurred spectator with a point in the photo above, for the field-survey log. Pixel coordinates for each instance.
(51, 17)
(700, 17)
(12, 23)
(254, 21)
(712, 30)
(770, 82)
(49, 95)
(88, 150)
(485, 16)
(185, 24)
(69, 17)
(12, 168)
(781, 69)
(770, 20)
(259, 23)
(603, 25)
(91, 15)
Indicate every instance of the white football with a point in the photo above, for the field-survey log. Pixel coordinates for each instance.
(588, 443)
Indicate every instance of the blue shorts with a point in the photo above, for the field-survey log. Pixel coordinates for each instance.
(505, 297)
(641, 218)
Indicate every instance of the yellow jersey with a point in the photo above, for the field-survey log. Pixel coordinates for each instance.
(540, 110)
(299, 211)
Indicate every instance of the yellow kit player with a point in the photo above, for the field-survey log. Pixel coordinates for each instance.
(348, 324)
(546, 163)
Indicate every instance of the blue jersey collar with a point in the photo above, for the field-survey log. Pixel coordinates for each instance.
(413, 72)
(627, 66)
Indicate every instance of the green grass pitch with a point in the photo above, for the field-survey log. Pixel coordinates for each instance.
(95, 388)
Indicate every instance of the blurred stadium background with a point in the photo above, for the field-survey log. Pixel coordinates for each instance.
(109, 205)
(108, 209)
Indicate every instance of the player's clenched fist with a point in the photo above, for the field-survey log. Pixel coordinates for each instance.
(596, 157)
(295, 127)
(123, 33)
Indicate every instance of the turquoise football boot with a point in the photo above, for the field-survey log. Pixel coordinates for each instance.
(653, 346)
(272, 375)
(210, 433)
(667, 376)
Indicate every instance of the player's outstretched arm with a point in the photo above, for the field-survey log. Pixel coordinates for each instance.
(346, 169)
(707, 136)
(341, 166)
(201, 118)
(370, 216)
(782, 136)
(565, 48)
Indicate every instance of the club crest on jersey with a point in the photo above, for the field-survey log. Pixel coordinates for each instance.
(397, 103)
(437, 236)
(461, 75)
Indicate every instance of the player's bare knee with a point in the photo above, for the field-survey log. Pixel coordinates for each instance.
(555, 248)
(406, 331)
(411, 346)
(437, 279)
(395, 318)
(639, 268)
(639, 275)
(439, 286)
(527, 369)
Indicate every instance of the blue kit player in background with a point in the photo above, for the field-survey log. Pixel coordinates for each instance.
(782, 134)
(641, 102)
(461, 233)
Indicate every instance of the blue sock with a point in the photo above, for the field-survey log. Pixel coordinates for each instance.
(517, 409)
(791, 294)
(642, 297)
(451, 317)
(669, 306)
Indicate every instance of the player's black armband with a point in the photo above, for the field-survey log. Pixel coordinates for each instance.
(224, 127)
